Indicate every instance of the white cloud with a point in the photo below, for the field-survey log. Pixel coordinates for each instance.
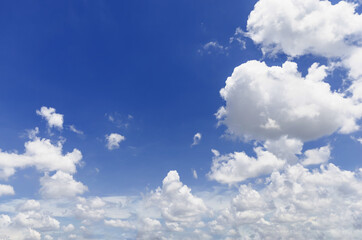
(285, 148)
(356, 90)
(33, 235)
(299, 27)
(75, 130)
(273, 104)
(32, 134)
(29, 205)
(119, 120)
(90, 210)
(41, 154)
(197, 139)
(238, 167)
(69, 228)
(215, 152)
(36, 220)
(60, 185)
(194, 174)
(238, 38)
(299, 204)
(176, 202)
(29, 222)
(353, 63)
(270, 102)
(6, 190)
(212, 46)
(317, 156)
(54, 119)
(113, 140)
(150, 229)
(119, 223)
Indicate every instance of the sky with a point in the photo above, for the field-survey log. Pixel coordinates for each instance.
(181, 119)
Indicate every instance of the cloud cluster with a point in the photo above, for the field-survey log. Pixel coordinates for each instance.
(298, 204)
(90, 210)
(265, 102)
(28, 223)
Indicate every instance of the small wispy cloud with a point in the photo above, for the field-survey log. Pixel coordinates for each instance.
(121, 121)
(75, 130)
(194, 174)
(197, 139)
(211, 47)
(237, 40)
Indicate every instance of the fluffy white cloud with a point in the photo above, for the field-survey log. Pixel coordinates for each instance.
(29, 205)
(36, 220)
(317, 156)
(353, 63)
(29, 222)
(176, 202)
(150, 229)
(299, 27)
(237, 167)
(54, 119)
(285, 148)
(197, 139)
(293, 203)
(6, 190)
(41, 154)
(113, 140)
(270, 102)
(90, 210)
(32, 235)
(60, 185)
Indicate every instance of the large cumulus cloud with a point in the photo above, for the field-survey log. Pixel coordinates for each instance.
(265, 102)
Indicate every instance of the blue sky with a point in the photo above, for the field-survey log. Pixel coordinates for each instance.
(128, 84)
(92, 59)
